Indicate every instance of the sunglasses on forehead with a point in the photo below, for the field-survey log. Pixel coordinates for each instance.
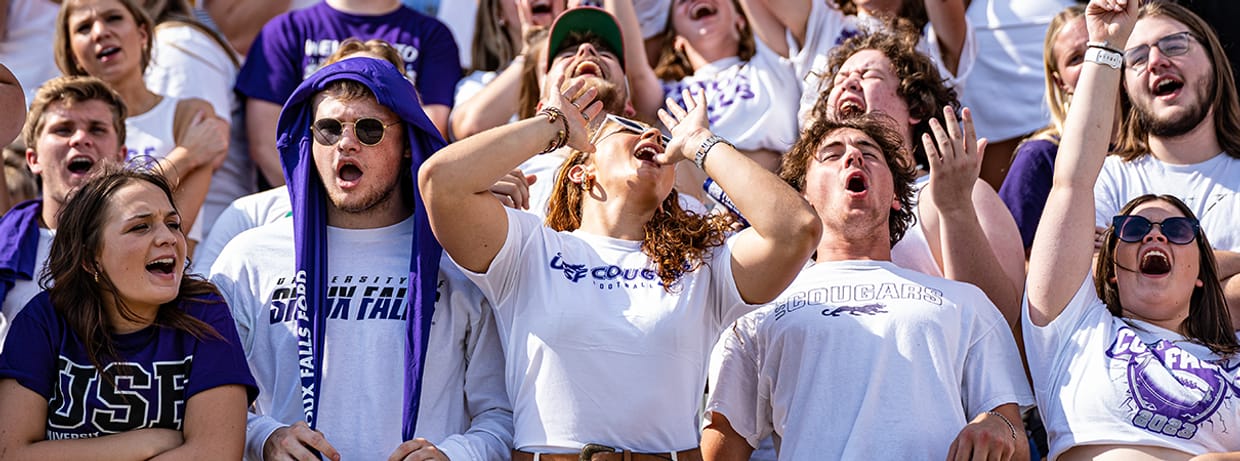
(1177, 230)
(369, 131)
(632, 126)
(1172, 45)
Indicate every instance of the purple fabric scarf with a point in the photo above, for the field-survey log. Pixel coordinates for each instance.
(310, 223)
(19, 244)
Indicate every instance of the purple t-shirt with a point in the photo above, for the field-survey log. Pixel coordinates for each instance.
(1028, 183)
(294, 45)
(160, 369)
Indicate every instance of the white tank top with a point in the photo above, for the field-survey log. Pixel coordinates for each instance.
(149, 135)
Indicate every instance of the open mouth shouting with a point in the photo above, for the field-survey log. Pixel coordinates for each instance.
(702, 10)
(162, 267)
(857, 184)
(106, 53)
(588, 68)
(850, 105)
(80, 165)
(1154, 262)
(647, 151)
(348, 174)
(1167, 87)
(541, 12)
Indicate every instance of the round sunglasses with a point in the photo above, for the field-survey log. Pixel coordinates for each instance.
(368, 130)
(1177, 230)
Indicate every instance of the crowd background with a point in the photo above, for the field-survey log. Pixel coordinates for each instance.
(208, 89)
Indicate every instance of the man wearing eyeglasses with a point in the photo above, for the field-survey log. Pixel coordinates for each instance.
(1181, 134)
(366, 343)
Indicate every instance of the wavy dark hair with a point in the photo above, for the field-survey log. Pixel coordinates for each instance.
(677, 240)
(1133, 141)
(921, 85)
(1209, 322)
(70, 275)
(674, 65)
(881, 129)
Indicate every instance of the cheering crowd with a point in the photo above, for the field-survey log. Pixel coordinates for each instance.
(619, 230)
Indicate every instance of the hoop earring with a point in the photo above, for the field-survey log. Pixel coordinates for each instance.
(587, 182)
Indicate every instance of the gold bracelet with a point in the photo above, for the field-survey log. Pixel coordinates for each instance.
(561, 138)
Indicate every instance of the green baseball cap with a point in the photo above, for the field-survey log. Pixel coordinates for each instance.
(585, 19)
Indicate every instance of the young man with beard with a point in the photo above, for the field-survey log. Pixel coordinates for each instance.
(75, 124)
(1181, 133)
(860, 358)
(365, 343)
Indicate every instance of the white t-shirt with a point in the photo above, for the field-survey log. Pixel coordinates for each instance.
(1006, 88)
(188, 63)
(149, 137)
(1101, 379)
(1210, 188)
(827, 28)
(749, 103)
(360, 407)
(867, 360)
(243, 214)
(26, 47)
(23, 290)
(597, 351)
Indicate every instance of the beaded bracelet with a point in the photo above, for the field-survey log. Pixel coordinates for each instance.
(561, 138)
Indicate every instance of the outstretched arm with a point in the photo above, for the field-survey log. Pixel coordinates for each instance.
(772, 20)
(646, 92)
(969, 212)
(1063, 247)
(948, 21)
(784, 227)
(456, 182)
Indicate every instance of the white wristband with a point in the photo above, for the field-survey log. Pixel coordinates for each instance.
(1104, 56)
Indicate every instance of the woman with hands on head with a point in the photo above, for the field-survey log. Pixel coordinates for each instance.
(125, 356)
(1136, 360)
(112, 40)
(608, 311)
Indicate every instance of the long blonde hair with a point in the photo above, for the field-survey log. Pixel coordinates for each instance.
(1057, 98)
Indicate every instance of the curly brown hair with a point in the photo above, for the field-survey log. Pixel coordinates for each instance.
(881, 129)
(921, 85)
(676, 240)
(914, 11)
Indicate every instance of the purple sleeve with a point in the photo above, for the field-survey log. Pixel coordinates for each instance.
(1027, 185)
(218, 362)
(439, 65)
(30, 348)
(272, 69)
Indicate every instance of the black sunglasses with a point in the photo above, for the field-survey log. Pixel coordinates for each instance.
(1133, 228)
(1172, 45)
(632, 126)
(369, 131)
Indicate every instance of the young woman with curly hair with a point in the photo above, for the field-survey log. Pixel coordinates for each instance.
(608, 311)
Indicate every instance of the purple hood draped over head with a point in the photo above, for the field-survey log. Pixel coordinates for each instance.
(309, 204)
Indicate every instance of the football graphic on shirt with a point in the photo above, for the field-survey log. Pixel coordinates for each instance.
(1190, 392)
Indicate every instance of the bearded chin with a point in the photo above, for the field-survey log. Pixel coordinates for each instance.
(1177, 126)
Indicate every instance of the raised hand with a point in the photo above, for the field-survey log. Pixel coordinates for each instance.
(578, 108)
(689, 126)
(206, 138)
(955, 157)
(1111, 21)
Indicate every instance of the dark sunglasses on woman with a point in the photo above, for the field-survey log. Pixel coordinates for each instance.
(1134, 228)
